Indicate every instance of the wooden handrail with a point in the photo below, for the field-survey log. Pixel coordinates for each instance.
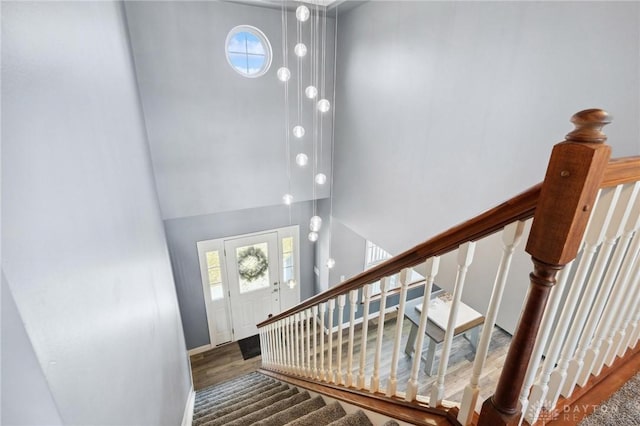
(621, 170)
(520, 207)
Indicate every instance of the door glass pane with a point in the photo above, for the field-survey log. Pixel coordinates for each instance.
(287, 259)
(253, 267)
(215, 276)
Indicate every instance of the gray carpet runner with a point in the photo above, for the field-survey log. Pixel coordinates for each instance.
(256, 399)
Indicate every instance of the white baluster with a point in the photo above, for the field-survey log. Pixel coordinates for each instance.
(314, 310)
(290, 364)
(431, 266)
(341, 303)
(511, 236)
(309, 366)
(591, 306)
(366, 298)
(330, 377)
(617, 273)
(353, 300)
(262, 344)
(465, 257)
(629, 335)
(272, 347)
(616, 330)
(285, 344)
(543, 336)
(322, 375)
(392, 385)
(546, 392)
(281, 357)
(266, 354)
(301, 342)
(296, 353)
(303, 332)
(375, 379)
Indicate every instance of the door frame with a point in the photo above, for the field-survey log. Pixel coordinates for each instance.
(288, 296)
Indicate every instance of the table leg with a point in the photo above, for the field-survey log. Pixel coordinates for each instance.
(473, 336)
(431, 354)
(411, 341)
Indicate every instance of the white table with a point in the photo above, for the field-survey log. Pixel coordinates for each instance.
(468, 322)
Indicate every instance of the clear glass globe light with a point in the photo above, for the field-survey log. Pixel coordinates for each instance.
(283, 74)
(323, 105)
(300, 50)
(321, 178)
(302, 159)
(311, 92)
(313, 236)
(298, 131)
(331, 262)
(302, 13)
(287, 198)
(315, 223)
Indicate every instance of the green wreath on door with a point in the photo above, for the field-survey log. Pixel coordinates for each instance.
(252, 264)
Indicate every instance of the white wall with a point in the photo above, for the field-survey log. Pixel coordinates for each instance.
(445, 109)
(218, 139)
(84, 251)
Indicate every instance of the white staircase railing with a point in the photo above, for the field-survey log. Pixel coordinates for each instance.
(592, 316)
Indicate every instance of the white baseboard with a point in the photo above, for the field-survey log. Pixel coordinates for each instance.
(199, 349)
(187, 418)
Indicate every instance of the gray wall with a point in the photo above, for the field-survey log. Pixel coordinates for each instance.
(218, 139)
(347, 248)
(26, 399)
(447, 108)
(184, 233)
(84, 251)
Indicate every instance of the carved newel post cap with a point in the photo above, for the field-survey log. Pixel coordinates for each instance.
(589, 124)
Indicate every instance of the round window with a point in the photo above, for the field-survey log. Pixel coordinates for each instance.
(248, 51)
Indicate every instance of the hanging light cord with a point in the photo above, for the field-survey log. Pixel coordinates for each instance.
(333, 125)
(286, 105)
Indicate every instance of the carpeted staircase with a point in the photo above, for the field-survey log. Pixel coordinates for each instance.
(256, 399)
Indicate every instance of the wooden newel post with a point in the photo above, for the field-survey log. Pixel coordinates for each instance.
(568, 194)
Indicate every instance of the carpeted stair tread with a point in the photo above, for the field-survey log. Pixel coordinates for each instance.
(204, 394)
(234, 382)
(359, 418)
(269, 410)
(215, 412)
(391, 423)
(238, 396)
(292, 413)
(250, 408)
(321, 417)
(210, 395)
(235, 392)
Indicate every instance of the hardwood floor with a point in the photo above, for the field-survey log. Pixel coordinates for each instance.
(221, 364)
(225, 362)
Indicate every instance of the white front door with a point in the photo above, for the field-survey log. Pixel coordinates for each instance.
(254, 284)
(246, 278)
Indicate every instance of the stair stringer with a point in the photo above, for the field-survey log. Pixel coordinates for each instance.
(402, 415)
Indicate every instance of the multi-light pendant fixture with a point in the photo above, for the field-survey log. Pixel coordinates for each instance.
(311, 92)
